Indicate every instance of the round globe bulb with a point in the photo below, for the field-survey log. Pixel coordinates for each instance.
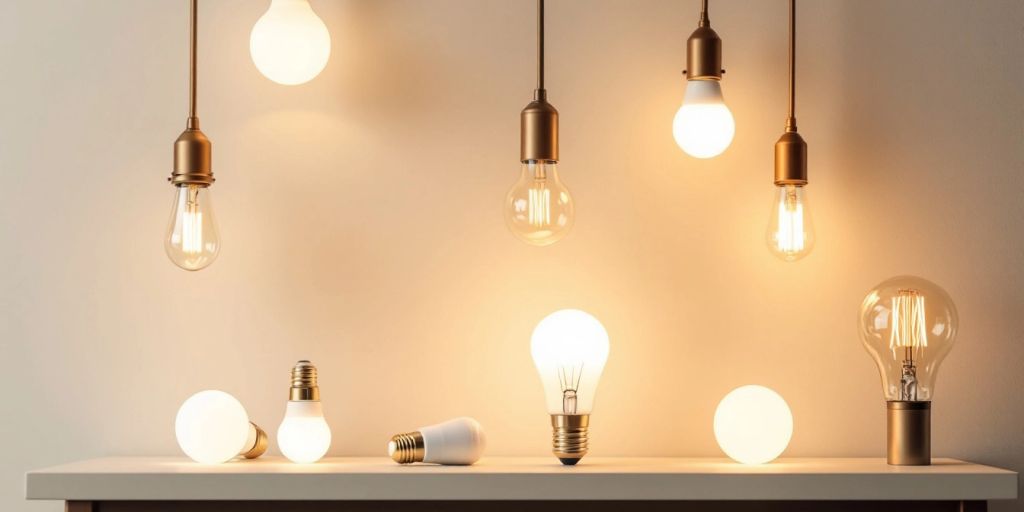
(212, 427)
(753, 425)
(290, 44)
(703, 126)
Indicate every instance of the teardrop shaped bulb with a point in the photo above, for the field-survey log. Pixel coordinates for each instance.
(703, 126)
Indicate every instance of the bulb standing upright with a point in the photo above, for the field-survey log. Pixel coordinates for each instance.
(569, 348)
(304, 435)
(908, 325)
(290, 44)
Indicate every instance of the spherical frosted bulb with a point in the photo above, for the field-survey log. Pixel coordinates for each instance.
(304, 436)
(569, 348)
(790, 233)
(908, 325)
(753, 425)
(192, 240)
(703, 126)
(539, 209)
(290, 44)
(211, 427)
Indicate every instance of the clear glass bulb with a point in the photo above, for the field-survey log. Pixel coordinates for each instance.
(212, 427)
(569, 348)
(304, 435)
(192, 240)
(908, 325)
(290, 44)
(539, 209)
(790, 232)
(703, 126)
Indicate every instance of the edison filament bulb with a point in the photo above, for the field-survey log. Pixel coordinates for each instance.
(790, 232)
(192, 240)
(539, 209)
(290, 44)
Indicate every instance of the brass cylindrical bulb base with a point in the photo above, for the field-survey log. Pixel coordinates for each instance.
(304, 385)
(704, 55)
(791, 160)
(909, 433)
(259, 444)
(569, 437)
(407, 448)
(193, 156)
(539, 130)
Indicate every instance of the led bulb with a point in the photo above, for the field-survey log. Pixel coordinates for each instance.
(212, 427)
(569, 348)
(703, 126)
(290, 44)
(304, 435)
(753, 425)
(790, 231)
(192, 241)
(539, 209)
(460, 441)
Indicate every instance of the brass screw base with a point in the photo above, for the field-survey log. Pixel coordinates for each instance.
(909, 433)
(538, 130)
(192, 158)
(259, 446)
(569, 437)
(304, 385)
(704, 55)
(790, 160)
(407, 448)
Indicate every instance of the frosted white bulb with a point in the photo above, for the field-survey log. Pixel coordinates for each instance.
(304, 436)
(290, 44)
(753, 425)
(212, 427)
(460, 441)
(569, 348)
(703, 126)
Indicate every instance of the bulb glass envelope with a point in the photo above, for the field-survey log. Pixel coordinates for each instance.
(569, 348)
(290, 44)
(538, 208)
(703, 126)
(908, 325)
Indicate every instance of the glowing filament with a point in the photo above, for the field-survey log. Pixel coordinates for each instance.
(539, 213)
(192, 224)
(908, 322)
(790, 237)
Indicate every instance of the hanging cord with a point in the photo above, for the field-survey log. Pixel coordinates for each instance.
(791, 120)
(704, 21)
(193, 120)
(540, 45)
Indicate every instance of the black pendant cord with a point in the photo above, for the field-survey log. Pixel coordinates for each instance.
(540, 45)
(791, 119)
(193, 120)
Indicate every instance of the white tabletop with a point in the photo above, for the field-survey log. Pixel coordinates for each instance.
(272, 478)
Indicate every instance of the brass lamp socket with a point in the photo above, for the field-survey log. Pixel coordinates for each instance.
(569, 437)
(790, 160)
(407, 448)
(304, 385)
(192, 158)
(539, 130)
(257, 443)
(704, 54)
(909, 433)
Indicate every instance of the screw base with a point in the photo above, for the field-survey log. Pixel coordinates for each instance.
(909, 432)
(570, 436)
(407, 448)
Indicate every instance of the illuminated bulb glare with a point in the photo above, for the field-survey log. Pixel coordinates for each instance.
(753, 425)
(908, 322)
(192, 240)
(304, 436)
(290, 44)
(703, 126)
(212, 427)
(569, 348)
(790, 234)
(539, 209)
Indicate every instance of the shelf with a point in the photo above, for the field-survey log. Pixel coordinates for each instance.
(272, 478)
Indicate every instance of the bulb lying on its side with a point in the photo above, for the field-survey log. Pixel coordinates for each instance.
(460, 441)
(703, 126)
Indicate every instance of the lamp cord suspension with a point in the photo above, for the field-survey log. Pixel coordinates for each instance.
(540, 47)
(193, 120)
(791, 120)
(704, 21)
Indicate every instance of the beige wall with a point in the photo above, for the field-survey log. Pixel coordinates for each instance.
(362, 226)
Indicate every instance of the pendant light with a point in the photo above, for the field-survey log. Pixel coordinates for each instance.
(790, 233)
(539, 209)
(192, 240)
(290, 44)
(703, 126)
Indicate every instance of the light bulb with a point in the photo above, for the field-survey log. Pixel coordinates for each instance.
(539, 209)
(790, 231)
(703, 126)
(192, 240)
(460, 442)
(212, 427)
(569, 348)
(290, 44)
(304, 436)
(908, 325)
(753, 425)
